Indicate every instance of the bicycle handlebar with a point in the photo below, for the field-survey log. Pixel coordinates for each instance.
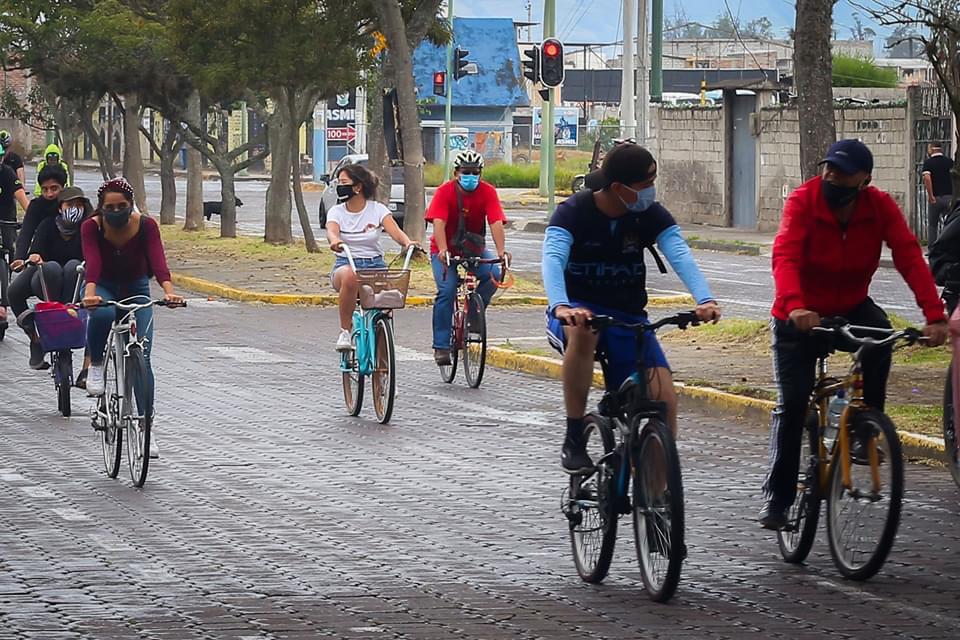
(411, 249)
(453, 261)
(681, 320)
(126, 306)
(841, 326)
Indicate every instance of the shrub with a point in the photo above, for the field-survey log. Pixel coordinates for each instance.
(849, 71)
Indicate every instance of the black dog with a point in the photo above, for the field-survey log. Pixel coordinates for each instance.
(213, 208)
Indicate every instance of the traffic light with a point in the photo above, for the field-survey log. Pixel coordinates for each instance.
(460, 62)
(551, 62)
(532, 66)
(439, 83)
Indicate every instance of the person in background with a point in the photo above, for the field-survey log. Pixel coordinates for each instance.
(10, 158)
(938, 186)
(52, 157)
(52, 181)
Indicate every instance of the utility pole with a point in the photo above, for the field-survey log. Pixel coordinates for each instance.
(656, 82)
(546, 115)
(628, 118)
(448, 116)
(643, 97)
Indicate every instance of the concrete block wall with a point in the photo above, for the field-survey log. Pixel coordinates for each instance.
(689, 148)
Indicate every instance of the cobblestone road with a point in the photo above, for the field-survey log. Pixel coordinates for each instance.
(272, 515)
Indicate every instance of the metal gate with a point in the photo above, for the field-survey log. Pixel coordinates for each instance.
(932, 120)
(744, 164)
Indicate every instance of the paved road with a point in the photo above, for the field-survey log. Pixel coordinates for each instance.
(272, 515)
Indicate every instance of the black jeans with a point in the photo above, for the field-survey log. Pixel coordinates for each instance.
(61, 283)
(935, 213)
(795, 357)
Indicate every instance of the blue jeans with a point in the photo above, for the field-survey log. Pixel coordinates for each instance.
(447, 291)
(101, 318)
(361, 264)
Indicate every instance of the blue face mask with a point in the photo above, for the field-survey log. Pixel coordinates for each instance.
(645, 198)
(469, 182)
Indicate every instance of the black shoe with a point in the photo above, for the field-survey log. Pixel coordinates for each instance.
(442, 357)
(37, 361)
(860, 452)
(772, 516)
(574, 458)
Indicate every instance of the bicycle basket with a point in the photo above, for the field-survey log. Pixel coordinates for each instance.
(60, 326)
(383, 289)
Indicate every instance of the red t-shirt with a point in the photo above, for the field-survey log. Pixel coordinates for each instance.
(478, 204)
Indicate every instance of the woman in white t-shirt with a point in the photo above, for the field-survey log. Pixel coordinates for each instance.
(356, 221)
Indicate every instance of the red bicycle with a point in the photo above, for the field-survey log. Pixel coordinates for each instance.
(469, 334)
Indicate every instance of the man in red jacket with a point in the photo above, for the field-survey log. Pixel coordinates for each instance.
(824, 256)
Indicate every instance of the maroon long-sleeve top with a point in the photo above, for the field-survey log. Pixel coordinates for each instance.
(140, 255)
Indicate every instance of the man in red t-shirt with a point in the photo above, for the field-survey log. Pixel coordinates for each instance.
(481, 206)
(824, 257)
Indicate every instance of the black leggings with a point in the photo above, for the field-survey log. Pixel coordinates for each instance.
(61, 284)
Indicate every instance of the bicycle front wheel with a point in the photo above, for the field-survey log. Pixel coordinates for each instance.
(591, 505)
(352, 378)
(474, 341)
(658, 528)
(950, 429)
(862, 518)
(797, 538)
(449, 371)
(384, 380)
(108, 416)
(63, 377)
(138, 414)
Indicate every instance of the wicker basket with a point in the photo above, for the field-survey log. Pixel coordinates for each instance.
(383, 289)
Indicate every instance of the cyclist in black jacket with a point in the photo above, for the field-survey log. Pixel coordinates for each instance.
(945, 259)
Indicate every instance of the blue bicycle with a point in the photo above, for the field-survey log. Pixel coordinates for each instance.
(373, 353)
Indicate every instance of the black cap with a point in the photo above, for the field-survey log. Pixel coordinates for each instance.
(850, 156)
(626, 164)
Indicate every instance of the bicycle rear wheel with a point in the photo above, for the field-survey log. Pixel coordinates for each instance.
(862, 519)
(63, 377)
(797, 539)
(107, 416)
(352, 378)
(474, 341)
(950, 429)
(591, 505)
(138, 414)
(383, 383)
(658, 528)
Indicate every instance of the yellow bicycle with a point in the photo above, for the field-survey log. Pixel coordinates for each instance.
(852, 461)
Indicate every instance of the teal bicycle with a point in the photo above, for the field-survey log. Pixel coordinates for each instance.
(373, 352)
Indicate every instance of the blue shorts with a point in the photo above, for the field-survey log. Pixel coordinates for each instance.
(362, 263)
(617, 345)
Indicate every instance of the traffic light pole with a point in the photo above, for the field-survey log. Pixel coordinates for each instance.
(448, 117)
(547, 155)
(656, 81)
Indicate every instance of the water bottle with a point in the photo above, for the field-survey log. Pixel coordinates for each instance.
(834, 412)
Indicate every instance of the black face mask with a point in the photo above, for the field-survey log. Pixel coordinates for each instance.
(118, 219)
(67, 229)
(344, 192)
(838, 197)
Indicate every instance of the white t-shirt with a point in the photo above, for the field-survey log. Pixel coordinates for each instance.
(360, 231)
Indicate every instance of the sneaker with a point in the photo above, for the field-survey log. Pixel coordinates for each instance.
(95, 380)
(154, 449)
(574, 458)
(860, 451)
(343, 341)
(80, 382)
(772, 516)
(442, 357)
(37, 361)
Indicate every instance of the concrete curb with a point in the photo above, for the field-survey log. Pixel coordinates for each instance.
(915, 445)
(726, 247)
(219, 290)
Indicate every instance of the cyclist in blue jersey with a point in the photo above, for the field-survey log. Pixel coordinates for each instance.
(593, 263)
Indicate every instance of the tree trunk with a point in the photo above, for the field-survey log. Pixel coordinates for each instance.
(168, 179)
(277, 223)
(194, 221)
(402, 62)
(132, 158)
(813, 82)
(228, 204)
(376, 144)
(107, 169)
(308, 238)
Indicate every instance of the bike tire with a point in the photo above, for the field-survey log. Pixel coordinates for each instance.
(951, 458)
(383, 382)
(64, 380)
(804, 514)
(658, 516)
(881, 430)
(474, 341)
(448, 372)
(353, 380)
(111, 435)
(139, 415)
(591, 498)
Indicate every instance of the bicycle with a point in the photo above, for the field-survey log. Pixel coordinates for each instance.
(468, 332)
(6, 272)
(843, 464)
(373, 352)
(61, 328)
(633, 448)
(126, 378)
(951, 393)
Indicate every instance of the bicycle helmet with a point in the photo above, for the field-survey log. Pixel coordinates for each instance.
(468, 158)
(5, 139)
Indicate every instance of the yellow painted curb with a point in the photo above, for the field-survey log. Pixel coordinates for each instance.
(219, 290)
(919, 445)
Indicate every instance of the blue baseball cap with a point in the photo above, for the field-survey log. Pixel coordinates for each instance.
(850, 156)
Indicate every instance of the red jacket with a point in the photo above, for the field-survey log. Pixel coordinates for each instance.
(817, 265)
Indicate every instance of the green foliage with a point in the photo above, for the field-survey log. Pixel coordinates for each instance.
(523, 176)
(849, 71)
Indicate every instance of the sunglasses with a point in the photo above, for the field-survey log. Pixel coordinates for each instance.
(470, 172)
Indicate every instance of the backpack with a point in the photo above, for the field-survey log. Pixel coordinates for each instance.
(470, 245)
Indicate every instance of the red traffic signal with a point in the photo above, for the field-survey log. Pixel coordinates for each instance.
(551, 49)
(439, 83)
(551, 63)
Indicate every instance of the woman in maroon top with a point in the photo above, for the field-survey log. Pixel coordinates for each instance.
(122, 249)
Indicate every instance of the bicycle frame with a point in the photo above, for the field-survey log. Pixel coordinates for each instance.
(124, 334)
(467, 284)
